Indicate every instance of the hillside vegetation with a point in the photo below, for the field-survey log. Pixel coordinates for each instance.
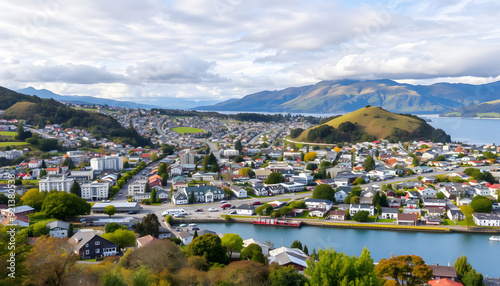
(490, 109)
(38, 112)
(371, 123)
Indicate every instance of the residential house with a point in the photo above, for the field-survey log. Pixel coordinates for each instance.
(285, 256)
(442, 272)
(245, 209)
(17, 211)
(238, 191)
(89, 245)
(454, 212)
(319, 204)
(338, 215)
(394, 202)
(265, 247)
(164, 233)
(485, 219)
(407, 219)
(340, 196)
(145, 240)
(435, 203)
(354, 208)
(19, 220)
(185, 237)
(58, 229)
(389, 213)
(204, 194)
(427, 192)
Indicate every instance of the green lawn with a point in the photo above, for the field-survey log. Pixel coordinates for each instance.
(464, 223)
(5, 144)
(385, 220)
(25, 182)
(8, 133)
(448, 222)
(304, 215)
(183, 130)
(39, 217)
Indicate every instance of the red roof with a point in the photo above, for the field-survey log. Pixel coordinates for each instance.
(495, 186)
(444, 282)
(145, 155)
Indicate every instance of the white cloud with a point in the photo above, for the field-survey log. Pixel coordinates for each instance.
(222, 49)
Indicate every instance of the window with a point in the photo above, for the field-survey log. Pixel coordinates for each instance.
(87, 251)
(97, 243)
(97, 250)
(87, 245)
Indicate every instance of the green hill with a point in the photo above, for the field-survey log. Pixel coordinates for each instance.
(371, 123)
(490, 109)
(38, 111)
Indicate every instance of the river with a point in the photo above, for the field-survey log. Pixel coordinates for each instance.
(442, 248)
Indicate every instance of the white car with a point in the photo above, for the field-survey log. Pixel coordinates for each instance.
(213, 210)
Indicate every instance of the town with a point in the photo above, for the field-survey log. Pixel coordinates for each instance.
(209, 169)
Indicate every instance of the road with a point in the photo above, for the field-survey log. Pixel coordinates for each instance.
(43, 134)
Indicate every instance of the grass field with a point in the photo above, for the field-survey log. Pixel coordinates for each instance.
(5, 144)
(183, 130)
(8, 133)
(86, 109)
(489, 114)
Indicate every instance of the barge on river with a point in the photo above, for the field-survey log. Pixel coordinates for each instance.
(279, 222)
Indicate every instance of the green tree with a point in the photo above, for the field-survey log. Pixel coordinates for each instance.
(33, 198)
(110, 210)
(354, 200)
(324, 192)
(468, 211)
(369, 164)
(195, 235)
(440, 158)
(296, 244)
(253, 252)
(70, 230)
(405, 270)
(121, 237)
(150, 225)
(68, 162)
(306, 250)
(462, 266)
(111, 227)
(154, 196)
(43, 173)
(265, 209)
(286, 276)
(359, 181)
(43, 165)
(472, 278)
(440, 195)
(192, 198)
(147, 188)
(274, 178)
(333, 268)
(361, 216)
(76, 189)
(415, 162)
(238, 146)
(62, 205)
(481, 204)
(302, 156)
(232, 242)
(209, 246)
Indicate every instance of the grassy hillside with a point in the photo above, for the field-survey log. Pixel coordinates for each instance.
(38, 112)
(370, 123)
(490, 109)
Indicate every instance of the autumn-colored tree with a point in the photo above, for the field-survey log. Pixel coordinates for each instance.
(50, 261)
(245, 273)
(310, 156)
(33, 198)
(158, 256)
(405, 270)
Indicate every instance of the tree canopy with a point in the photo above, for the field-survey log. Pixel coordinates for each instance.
(324, 192)
(121, 237)
(209, 246)
(481, 204)
(369, 164)
(274, 178)
(33, 198)
(253, 252)
(150, 225)
(405, 270)
(62, 205)
(232, 242)
(110, 210)
(76, 189)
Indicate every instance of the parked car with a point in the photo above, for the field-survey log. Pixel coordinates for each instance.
(225, 206)
(132, 212)
(212, 210)
(198, 210)
(223, 202)
(233, 206)
(255, 203)
(232, 212)
(195, 228)
(178, 215)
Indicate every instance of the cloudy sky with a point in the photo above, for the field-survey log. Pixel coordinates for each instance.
(220, 49)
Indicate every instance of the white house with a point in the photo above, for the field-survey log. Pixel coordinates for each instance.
(389, 213)
(293, 187)
(58, 229)
(427, 192)
(265, 247)
(185, 237)
(354, 208)
(55, 183)
(340, 196)
(137, 187)
(239, 192)
(484, 219)
(319, 204)
(245, 209)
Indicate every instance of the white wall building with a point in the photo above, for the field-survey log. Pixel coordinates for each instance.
(137, 187)
(50, 183)
(113, 163)
(95, 191)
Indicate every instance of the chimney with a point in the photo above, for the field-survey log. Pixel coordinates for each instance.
(437, 264)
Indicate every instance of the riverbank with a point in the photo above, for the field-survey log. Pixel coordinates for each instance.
(355, 225)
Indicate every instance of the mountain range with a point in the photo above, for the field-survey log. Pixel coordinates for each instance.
(166, 102)
(340, 96)
(490, 109)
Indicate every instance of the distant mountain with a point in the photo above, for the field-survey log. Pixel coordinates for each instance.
(490, 109)
(167, 102)
(368, 124)
(349, 95)
(38, 111)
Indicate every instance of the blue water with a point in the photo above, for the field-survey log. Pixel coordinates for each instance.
(442, 248)
(473, 131)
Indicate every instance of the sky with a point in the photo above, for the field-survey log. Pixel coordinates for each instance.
(147, 50)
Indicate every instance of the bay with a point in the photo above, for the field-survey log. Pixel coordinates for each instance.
(442, 248)
(468, 130)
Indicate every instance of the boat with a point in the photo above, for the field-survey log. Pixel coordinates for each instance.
(494, 238)
(182, 225)
(192, 225)
(279, 222)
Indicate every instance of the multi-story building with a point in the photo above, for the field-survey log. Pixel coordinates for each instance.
(59, 183)
(108, 163)
(137, 187)
(77, 156)
(95, 191)
(187, 157)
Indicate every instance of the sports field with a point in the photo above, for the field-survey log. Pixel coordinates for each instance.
(183, 130)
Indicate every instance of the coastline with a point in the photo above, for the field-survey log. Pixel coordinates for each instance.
(356, 225)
